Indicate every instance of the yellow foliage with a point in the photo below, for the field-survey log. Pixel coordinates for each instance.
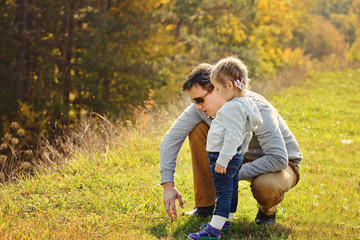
(356, 6)
(170, 27)
(353, 55)
(291, 56)
(275, 23)
(48, 37)
(232, 30)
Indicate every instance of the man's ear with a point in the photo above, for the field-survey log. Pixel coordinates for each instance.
(229, 85)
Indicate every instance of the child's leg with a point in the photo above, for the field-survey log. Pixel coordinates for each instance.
(235, 193)
(223, 186)
(224, 197)
(237, 162)
(234, 201)
(226, 186)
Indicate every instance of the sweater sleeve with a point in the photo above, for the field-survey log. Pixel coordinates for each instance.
(272, 143)
(173, 140)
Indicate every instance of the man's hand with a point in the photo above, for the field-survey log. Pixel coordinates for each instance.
(220, 169)
(170, 194)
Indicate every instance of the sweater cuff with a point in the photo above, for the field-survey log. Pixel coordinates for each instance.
(167, 176)
(224, 160)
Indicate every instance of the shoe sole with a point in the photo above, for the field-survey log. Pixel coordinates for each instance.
(205, 238)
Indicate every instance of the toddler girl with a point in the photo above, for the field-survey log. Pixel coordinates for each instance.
(228, 138)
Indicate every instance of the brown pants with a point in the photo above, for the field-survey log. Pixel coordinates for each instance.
(268, 189)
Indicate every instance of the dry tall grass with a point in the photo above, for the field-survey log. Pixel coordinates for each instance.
(93, 134)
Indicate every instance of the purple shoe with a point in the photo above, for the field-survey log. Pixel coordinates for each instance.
(225, 228)
(208, 233)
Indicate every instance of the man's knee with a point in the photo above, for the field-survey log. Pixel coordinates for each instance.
(199, 133)
(266, 191)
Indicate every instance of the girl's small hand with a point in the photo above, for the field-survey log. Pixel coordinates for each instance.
(220, 169)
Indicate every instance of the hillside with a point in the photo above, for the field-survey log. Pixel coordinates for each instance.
(116, 194)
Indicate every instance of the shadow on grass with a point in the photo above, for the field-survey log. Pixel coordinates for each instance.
(249, 230)
(178, 230)
(159, 230)
(240, 229)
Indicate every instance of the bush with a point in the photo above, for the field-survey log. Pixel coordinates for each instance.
(324, 39)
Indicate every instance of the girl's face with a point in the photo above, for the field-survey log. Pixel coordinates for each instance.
(225, 92)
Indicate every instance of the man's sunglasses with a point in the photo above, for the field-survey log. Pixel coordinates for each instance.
(200, 100)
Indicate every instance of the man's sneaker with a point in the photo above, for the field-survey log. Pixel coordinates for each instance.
(225, 228)
(208, 233)
(201, 211)
(262, 219)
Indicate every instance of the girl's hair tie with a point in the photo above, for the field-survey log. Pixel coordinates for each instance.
(239, 83)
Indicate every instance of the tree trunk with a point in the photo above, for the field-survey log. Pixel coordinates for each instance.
(178, 28)
(20, 65)
(68, 54)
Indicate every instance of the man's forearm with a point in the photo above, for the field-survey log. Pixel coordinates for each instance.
(265, 164)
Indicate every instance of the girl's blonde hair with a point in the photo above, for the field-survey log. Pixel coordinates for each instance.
(229, 69)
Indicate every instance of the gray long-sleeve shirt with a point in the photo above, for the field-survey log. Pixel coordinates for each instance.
(272, 145)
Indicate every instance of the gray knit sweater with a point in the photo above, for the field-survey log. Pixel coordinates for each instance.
(272, 145)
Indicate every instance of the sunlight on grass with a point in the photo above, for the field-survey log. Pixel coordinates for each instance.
(116, 194)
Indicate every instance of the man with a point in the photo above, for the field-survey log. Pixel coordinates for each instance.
(271, 163)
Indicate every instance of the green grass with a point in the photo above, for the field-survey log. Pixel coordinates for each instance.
(116, 194)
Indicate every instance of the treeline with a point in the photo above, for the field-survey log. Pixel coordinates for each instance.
(63, 59)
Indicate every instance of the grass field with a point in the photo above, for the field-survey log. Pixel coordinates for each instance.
(116, 194)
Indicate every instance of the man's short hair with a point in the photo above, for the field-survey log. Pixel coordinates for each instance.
(199, 76)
